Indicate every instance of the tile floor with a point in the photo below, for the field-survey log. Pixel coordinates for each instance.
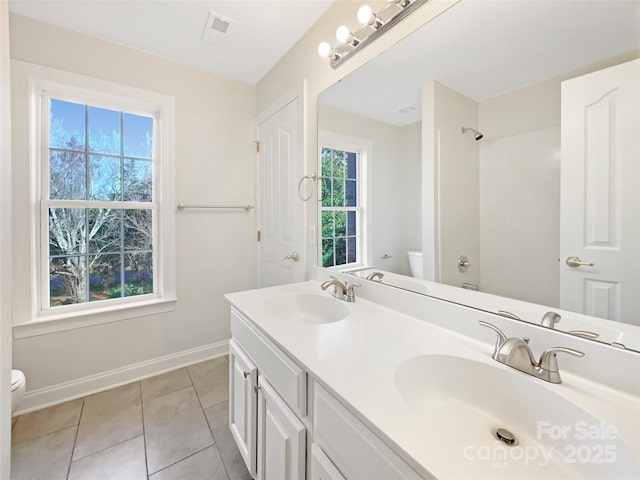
(169, 427)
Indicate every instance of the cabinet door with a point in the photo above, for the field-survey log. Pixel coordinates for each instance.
(281, 438)
(321, 466)
(243, 404)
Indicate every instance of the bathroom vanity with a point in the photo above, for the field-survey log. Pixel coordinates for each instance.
(325, 389)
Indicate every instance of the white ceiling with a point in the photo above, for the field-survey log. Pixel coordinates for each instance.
(482, 48)
(261, 33)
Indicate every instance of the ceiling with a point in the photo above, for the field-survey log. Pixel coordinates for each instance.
(483, 48)
(260, 33)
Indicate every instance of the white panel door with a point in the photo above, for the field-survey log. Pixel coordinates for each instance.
(600, 193)
(281, 438)
(243, 404)
(281, 212)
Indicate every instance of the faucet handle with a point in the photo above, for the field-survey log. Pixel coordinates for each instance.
(350, 294)
(548, 360)
(500, 339)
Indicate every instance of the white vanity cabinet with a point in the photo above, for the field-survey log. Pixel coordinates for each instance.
(267, 398)
(243, 403)
(269, 419)
(346, 448)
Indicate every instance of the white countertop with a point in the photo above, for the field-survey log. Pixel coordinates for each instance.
(357, 357)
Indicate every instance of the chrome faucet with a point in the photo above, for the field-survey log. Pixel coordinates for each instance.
(375, 276)
(342, 291)
(550, 319)
(516, 353)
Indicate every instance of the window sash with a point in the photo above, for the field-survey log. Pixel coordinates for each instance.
(43, 296)
(357, 208)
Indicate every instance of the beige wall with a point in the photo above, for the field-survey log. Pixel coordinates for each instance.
(214, 164)
(303, 62)
(393, 206)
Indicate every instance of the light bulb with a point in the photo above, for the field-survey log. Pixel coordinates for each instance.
(343, 35)
(365, 15)
(324, 50)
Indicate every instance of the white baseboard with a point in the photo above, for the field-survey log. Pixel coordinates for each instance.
(63, 392)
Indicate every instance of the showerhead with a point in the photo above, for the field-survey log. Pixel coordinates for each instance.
(476, 134)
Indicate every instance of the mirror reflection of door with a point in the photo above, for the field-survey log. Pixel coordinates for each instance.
(600, 198)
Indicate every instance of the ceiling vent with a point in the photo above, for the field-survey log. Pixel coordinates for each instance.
(216, 28)
(407, 109)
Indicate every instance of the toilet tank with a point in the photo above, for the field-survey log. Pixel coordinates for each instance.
(415, 264)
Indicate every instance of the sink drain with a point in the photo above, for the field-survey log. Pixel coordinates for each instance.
(506, 436)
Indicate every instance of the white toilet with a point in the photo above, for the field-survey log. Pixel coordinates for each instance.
(415, 264)
(18, 387)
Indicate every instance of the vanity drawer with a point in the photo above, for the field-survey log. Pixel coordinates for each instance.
(286, 377)
(354, 450)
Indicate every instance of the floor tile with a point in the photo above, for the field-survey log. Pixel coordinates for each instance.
(211, 381)
(125, 461)
(47, 457)
(109, 418)
(218, 418)
(204, 465)
(175, 427)
(45, 421)
(169, 382)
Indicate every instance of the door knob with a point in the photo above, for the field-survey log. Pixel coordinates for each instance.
(293, 256)
(576, 262)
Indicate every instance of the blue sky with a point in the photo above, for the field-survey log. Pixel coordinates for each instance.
(104, 128)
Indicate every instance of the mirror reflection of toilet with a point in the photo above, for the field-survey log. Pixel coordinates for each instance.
(415, 263)
(18, 387)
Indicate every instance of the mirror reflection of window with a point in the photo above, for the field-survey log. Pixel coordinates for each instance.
(340, 207)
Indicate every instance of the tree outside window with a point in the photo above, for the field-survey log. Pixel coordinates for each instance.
(100, 204)
(340, 207)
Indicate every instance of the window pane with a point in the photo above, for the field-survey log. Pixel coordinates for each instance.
(67, 176)
(138, 230)
(104, 131)
(327, 192)
(67, 231)
(104, 277)
(105, 230)
(351, 193)
(339, 163)
(351, 165)
(341, 251)
(326, 162)
(351, 223)
(67, 128)
(351, 250)
(338, 193)
(67, 280)
(341, 224)
(106, 178)
(327, 253)
(138, 274)
(138, 180)
(138, 135)
(327, 224)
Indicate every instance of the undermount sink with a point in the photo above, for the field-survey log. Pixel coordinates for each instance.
(462, 403)
(306, 308)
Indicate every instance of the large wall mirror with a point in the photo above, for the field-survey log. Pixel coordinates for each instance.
(492, 158)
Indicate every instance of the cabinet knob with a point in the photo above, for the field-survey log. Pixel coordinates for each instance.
(246, 374)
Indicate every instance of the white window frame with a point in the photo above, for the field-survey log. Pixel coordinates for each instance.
(45, 83)
(363, 149)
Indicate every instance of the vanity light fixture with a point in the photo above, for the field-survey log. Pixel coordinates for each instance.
(372, 25)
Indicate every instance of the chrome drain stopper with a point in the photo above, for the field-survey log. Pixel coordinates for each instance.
(506, 436)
